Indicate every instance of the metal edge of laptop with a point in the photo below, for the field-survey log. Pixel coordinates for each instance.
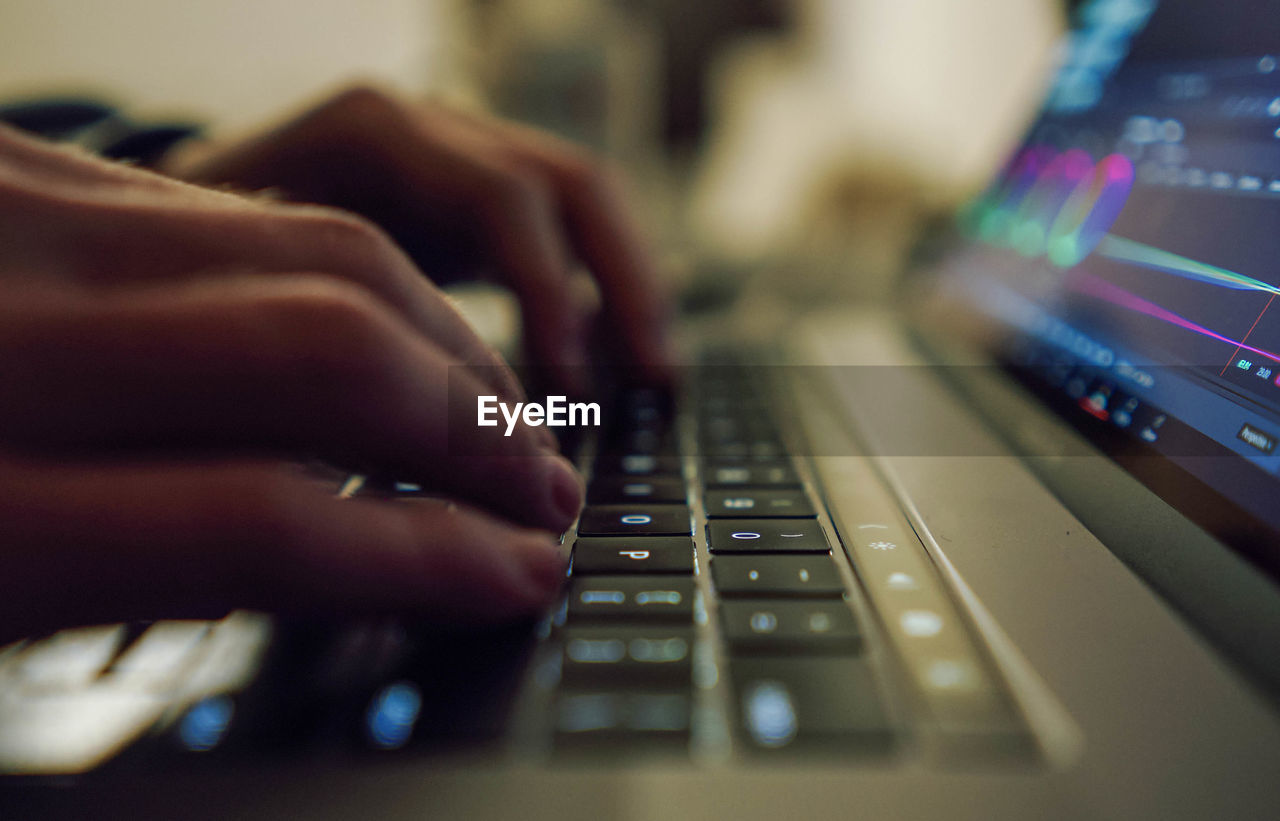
(1233, 603)
(1221, 733)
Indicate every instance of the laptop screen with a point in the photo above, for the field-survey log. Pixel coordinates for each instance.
(1128, 255)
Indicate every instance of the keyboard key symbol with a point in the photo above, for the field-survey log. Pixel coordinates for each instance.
(763, 622)
(883, 546)
(746, 534)
(901, 581)
(636, 519)
(734, 476)
(921, 623)
(638, 463)
(637, 555)
(770, 714)
(658, 597)
(596, 651)
(603, 597)
(950, 675)
(658, 651)
(741, 503)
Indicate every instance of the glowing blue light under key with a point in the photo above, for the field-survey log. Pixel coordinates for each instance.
(205, 723)
(392, 714)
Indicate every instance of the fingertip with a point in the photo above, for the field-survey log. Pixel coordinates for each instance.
(544, 567)
(566, 492)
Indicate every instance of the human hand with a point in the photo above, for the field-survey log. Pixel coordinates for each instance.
(466, 190)
(166, 351)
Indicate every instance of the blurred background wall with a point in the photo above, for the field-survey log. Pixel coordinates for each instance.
(752, 122)
(234, 61)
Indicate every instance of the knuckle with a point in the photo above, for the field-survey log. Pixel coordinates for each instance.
(587, 175)
(325, 304)
(348, 241)
(516, 189)
(334, 332)
(360, 98)
(356, 249)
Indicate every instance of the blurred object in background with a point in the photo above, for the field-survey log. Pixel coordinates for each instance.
(870, 101)
(235, 63)
(585, 69)
(755, 130)
(694, 34)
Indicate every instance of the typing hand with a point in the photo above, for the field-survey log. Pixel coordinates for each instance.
(166, 353)
(468, 191)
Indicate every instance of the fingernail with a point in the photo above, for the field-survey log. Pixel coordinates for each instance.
(566, 489)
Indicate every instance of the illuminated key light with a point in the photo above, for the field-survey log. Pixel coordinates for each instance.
(659, 651)
(950, 675)
(658, 597)
(763, 621)
(920, 623)
(602, 597)
(901, 581)
(392, 714)
(596, 651)
(770, 714)
(637, 463)
(636, 519)
(205, 723)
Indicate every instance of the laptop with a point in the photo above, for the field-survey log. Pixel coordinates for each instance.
(1007, 548)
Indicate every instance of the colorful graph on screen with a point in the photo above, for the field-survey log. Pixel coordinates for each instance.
(1053, 204)
(1061, 205)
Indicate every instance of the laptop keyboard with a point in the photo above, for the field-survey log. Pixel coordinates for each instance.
(711, 612)
(645, 637)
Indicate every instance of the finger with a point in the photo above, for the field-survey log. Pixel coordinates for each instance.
(519, 211)
(151, 237)
(429, 163)
(86, 544)
(107, 223)
(602, 233)
(302, 364)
